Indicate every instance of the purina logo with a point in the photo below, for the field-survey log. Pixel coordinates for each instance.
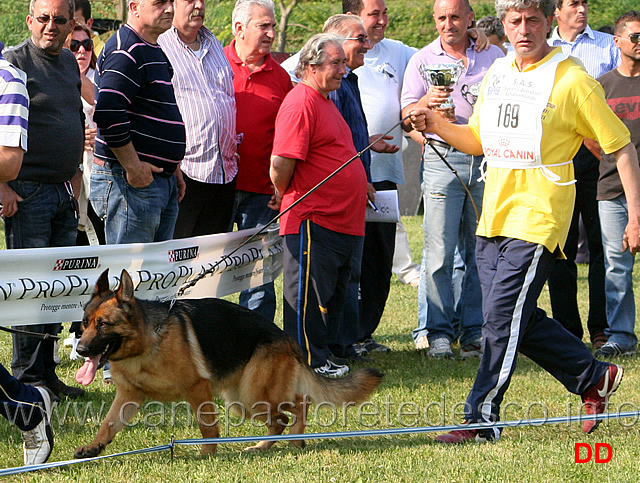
(182, 254)
(86, 263)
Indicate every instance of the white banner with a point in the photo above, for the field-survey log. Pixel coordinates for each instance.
(43, 285)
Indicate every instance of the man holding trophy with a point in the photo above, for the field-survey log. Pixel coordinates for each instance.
(534, 109)
(445, 76)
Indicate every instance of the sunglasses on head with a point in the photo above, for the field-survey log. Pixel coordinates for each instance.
(58, 19)
(74, 45)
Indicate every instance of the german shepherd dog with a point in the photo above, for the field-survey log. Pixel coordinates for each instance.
(194, 350)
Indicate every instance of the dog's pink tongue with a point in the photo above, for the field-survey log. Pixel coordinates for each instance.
(87, 372)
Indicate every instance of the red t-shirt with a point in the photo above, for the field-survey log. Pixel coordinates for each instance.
(258, 98)
(310, 129)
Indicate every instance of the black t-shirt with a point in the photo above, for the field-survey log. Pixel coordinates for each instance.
(623, 96)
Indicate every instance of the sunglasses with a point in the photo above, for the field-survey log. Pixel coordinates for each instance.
(634, 38)
(58, 19)
(75, 45)
(363, 39)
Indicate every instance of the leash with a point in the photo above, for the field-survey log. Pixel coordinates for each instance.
(453, 170)
(29, 333)
(187, 285)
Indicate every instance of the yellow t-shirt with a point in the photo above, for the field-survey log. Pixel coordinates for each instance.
(523, 203)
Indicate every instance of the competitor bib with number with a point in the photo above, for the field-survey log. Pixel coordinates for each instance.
(512, 113)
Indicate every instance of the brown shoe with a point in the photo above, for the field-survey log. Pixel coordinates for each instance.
(59, 388)
(598, 340)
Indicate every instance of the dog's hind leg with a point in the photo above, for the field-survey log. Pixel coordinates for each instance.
(124, 407)
(276, 423)
(299, 413)
(200, 398)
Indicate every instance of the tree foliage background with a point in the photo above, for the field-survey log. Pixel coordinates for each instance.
(410, 20)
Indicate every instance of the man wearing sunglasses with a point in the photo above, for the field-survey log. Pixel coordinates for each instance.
(599, 55)
(39, 207)
(622, 90)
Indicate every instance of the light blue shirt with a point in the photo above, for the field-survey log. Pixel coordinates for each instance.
(596, 50)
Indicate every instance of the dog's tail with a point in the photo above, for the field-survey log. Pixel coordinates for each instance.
(356, 387)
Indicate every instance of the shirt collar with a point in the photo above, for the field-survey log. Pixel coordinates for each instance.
(555, 35)
(233, 57)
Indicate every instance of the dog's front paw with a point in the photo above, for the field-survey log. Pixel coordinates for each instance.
(88, 451)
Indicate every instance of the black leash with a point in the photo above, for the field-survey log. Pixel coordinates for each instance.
(200, 276)
(475, 207)
(29, 333)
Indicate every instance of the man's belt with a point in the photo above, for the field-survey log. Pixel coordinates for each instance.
(439, 144)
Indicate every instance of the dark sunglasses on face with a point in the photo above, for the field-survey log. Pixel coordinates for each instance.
(363, 39)
(634, 38)
(58, 19)
(74, 46)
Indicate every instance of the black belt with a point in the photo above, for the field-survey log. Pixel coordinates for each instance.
(439, 144)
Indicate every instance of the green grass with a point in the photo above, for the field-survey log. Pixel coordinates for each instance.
(543, 453)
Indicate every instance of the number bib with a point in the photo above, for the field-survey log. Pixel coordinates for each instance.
(511, 115)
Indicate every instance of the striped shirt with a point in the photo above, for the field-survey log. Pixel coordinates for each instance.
(595, 49)
(203, 86)
(136, 102)
(14, 105)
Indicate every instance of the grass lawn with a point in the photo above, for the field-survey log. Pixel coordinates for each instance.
(416, 392)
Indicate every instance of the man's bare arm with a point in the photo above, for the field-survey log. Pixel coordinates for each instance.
(627, 164)
(10, 162)
(459, 136)
(139, 173)
(281, 172)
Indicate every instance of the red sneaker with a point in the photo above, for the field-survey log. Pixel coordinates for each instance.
(596, 399)
(465, 436)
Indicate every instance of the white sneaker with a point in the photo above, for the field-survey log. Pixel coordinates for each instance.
(440, 348)
(331, 369)
(422, 343)
(472, 349)
(38, 442)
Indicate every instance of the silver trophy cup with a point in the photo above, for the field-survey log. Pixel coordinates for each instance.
(443, 75)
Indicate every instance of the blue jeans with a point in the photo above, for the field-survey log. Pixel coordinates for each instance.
(450, 222)
(46, 218)
(133, 215)
(618, 282)
(250, 210)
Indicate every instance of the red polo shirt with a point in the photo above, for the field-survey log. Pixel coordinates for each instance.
(258, 98)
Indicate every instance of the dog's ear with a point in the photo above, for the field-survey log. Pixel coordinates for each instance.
(125, 292)
(102, 285)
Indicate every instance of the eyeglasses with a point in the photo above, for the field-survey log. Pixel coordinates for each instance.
(58, 19)
(634, 38)
(75, 45)
(363, 39)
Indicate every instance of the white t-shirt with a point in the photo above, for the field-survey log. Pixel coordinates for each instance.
(380, 82)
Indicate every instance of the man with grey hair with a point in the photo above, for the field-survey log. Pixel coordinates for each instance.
(203, 85)
(493, 29)
(260, 86)
(321, 233)
(532, 114)
(39, 206)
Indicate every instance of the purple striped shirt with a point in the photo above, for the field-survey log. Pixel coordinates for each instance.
(14, 106)
(203, 85)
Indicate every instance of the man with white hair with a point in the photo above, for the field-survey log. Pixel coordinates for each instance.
(260, 87)
(321, 233)
(533, 111)
(203, 85)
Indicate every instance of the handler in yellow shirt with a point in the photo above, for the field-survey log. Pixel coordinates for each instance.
(535, 107)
